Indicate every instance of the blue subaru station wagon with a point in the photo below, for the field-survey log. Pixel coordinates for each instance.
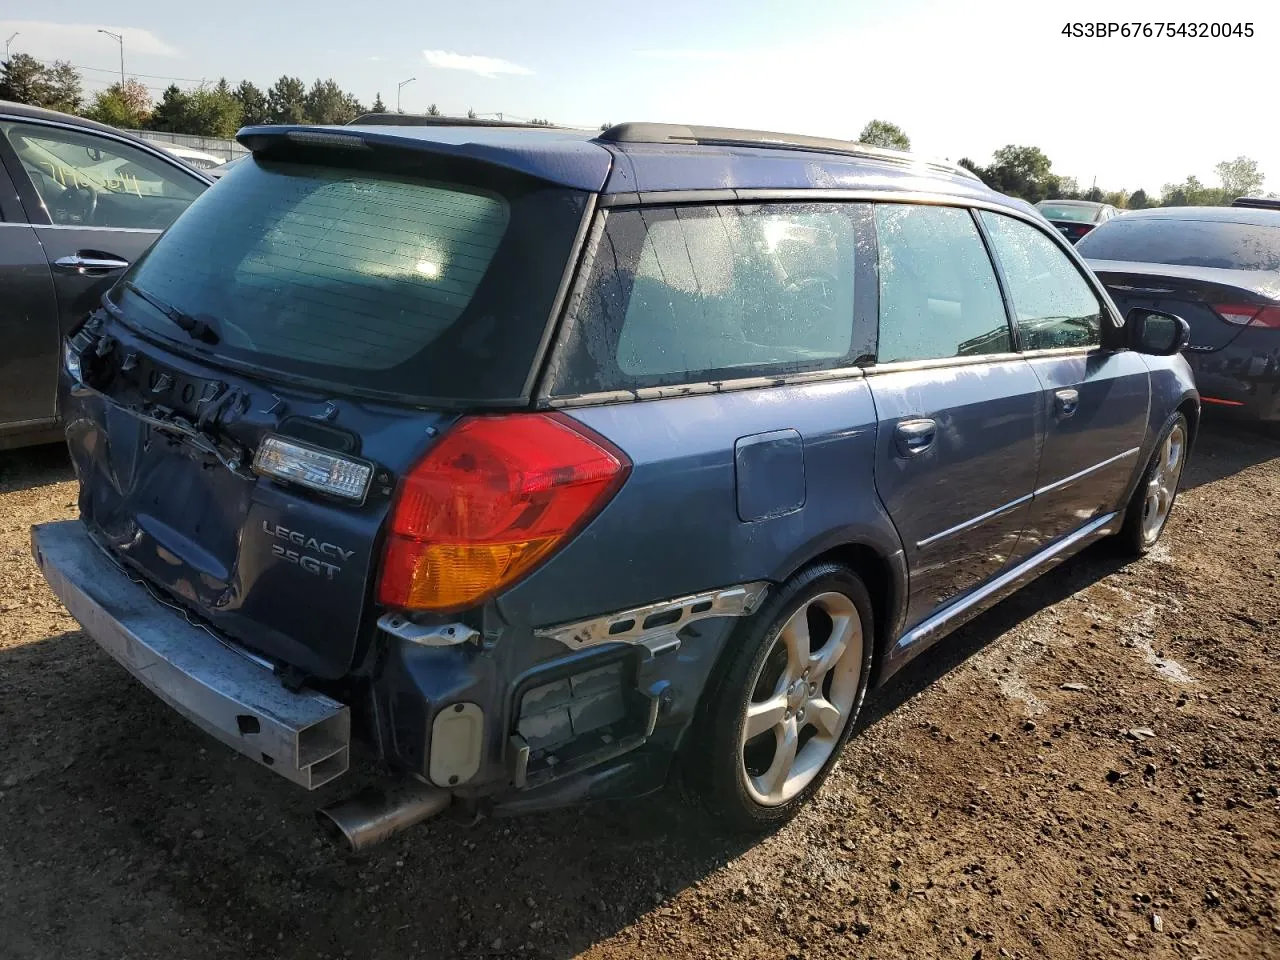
(546, 465)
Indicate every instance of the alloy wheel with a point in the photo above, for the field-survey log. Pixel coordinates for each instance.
(801, 698)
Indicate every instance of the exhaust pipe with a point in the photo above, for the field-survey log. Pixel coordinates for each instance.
(374, 814)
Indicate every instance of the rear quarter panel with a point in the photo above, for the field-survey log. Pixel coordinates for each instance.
(675, 527)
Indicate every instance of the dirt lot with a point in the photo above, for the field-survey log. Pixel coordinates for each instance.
(988, 810)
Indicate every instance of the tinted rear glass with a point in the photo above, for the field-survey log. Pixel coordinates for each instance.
(1068, 211)
(690, 294)
(377, 281)
(1187, 243)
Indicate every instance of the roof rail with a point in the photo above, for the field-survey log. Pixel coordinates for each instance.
(426, 120)
(739, 137)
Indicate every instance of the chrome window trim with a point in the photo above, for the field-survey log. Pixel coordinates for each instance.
(1064, 351)
(1059, 484)
(701, 388)
(936, 363)
(72, 226)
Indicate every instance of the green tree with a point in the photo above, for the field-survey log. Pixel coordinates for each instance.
(172, 112)
(1192, 193)
(214, 112)
(253, 104)
(378, 105)
(126, 105)
(1021, 172)
(1138, 200)
(286, 101)
(1240, 177)
(326, 102)
(24, 79)
(1093, 194)
(63, 90)
(882, 133)
(536, 122)
(1117, 198)
(433, 110)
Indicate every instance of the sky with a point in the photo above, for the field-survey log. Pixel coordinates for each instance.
(962, 79)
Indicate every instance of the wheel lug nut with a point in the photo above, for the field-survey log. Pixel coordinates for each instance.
(787, 715)
(813, 688)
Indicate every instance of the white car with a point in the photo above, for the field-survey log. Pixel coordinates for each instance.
(193, 158)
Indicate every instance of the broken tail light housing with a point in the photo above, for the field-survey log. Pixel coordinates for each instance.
(494, 498)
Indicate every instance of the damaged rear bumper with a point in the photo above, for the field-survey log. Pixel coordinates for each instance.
(304, 736)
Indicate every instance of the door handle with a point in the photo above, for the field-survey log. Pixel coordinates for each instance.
(76, 263)
(914, 437)
(1066, 402)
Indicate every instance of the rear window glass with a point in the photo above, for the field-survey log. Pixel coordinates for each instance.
(370, 280)
(1187, 243)
(1068, 211)
(698, 293)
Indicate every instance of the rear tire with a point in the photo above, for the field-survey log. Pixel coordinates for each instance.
(1152, 501)
(789, 693)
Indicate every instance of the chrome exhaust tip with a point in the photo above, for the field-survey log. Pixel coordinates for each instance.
(374, 814)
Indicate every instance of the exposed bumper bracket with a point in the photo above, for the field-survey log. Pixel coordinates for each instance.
(304, 736)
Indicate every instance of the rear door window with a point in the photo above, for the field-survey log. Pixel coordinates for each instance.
(1053, 304)
(696, 293)
(938, 292)
(372, 280)
(1185, 243)
(88, 180)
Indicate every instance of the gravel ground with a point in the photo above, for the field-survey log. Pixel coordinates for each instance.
(1092, 769)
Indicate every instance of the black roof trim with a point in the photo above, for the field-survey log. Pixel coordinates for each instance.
(741, 137)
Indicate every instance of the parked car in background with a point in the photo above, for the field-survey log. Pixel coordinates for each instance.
(79, 201)
(1075, 218)
(220, 171)
(543, 458)
(1260, 203)
(1219, 269)
(192, 158)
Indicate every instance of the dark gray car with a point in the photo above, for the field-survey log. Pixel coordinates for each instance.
(79, 201)
(1219, 269)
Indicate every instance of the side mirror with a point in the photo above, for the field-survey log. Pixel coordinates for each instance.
(1155, 332)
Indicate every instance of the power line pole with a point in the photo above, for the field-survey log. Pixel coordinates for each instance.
(118, 38)
(399, 88)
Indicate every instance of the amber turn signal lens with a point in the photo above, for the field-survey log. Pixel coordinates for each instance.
(494, 498)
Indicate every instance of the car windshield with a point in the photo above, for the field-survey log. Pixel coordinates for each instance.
(374, 281)
(1069, 211)
(1187, 243)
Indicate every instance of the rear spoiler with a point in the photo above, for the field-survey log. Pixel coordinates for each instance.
(557, 157)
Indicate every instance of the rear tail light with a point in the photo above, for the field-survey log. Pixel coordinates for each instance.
(1249, 314)
(491, 500)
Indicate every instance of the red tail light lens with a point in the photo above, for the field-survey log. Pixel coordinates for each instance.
(1249, 314)
(496, 496)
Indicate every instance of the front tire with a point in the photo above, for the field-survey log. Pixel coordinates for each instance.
(789, 695)
(1153, 499)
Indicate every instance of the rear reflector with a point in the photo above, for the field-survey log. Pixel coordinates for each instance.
(1249, 314)
(310, 467)
(495, 497)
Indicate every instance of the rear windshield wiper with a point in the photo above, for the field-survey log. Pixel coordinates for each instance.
(203, 328)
